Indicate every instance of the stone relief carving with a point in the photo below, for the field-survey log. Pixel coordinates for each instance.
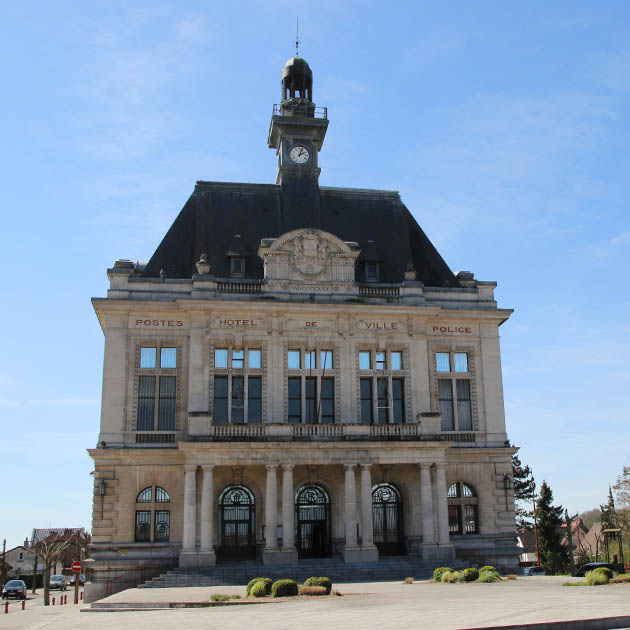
(308, 255)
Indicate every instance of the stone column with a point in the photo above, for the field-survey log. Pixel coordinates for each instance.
(426, 505)
(442, 504)
(188, 554)
(351, 549)
(289, 552)
(271, 516)
(207, 516)
(370, 553)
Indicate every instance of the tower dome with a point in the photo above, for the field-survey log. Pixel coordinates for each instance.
(297, 80)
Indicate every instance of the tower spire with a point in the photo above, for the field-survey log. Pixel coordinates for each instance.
(297, 36)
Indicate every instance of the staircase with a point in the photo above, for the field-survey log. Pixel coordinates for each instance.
(394, 568)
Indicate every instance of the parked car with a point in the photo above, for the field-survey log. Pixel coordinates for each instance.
(73, 579)
(534, 571)
(591, 566)
(14, 588)
(58, 581)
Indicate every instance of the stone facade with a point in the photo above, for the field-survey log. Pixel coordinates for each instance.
(309, 403)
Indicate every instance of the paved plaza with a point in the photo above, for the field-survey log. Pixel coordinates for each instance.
(386, 605)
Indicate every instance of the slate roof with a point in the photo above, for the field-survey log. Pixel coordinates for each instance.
(40, 534)
(216, 212)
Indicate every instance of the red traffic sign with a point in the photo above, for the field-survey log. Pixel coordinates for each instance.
(76, 567)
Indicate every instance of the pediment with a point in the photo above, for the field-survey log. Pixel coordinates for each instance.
(308, 255)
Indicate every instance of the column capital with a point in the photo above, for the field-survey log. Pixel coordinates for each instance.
(424, 465)
(271, 466)
(190, 467)
(349, 466)
(288, 467)
(365, 466)
(440, 465)
(207, 467)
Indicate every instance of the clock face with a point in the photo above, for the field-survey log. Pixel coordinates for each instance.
(299, 155)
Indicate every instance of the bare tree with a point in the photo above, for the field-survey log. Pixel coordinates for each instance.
(50, 549)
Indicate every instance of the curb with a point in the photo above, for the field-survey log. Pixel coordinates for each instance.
(599, 623)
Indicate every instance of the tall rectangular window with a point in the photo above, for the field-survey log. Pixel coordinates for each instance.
(454, 390)
(328, 401)
(143, 526)
(311, 385)
(220, 415)
(295, 399)
(166, 413)
(157, 389)
(254, 400)
(238, 385)
(238, 400)
(366, 400)
(398, 400)
(146, 403)
(162, 526)
(445, 398)
(382, 392)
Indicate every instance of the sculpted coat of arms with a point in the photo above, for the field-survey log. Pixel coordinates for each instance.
(310, 254)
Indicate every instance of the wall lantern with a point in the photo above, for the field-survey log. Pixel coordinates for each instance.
(507, 482)
(102, 487)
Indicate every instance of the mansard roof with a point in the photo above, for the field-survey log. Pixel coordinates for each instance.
(377, 220)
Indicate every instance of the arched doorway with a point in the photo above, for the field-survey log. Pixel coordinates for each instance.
(237, 513)
(387, 519)
(313, 522)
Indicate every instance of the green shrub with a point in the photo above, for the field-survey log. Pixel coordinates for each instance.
(439, 572)
(219, 598)
(320, 581)
(267, 581)
(235, 597)
(470, 574)
(284, 588)
(258, 589)
(487, 567)
(598, 577)
(449, 577)
(486, 577)
(460, 576)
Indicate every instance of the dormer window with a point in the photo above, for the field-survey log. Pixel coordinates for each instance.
(237, 266)
(371, 271)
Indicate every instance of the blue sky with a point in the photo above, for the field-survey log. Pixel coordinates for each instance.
(503, 125)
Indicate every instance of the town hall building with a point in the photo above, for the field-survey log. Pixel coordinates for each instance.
(296, 374)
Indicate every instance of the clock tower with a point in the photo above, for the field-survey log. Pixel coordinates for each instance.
(297, 127)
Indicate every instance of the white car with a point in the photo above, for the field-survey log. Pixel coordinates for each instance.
(534, 571)
(58, 581)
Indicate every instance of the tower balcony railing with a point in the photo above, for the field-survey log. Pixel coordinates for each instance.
(301, 110)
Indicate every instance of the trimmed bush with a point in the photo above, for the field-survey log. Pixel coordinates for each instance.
(267, 582)
(408, 580)
(320, 581)
(284, 588)
(486, 577)
(598, 577)
(312, 590)
(449, 577)
(219, 598)
(258, 589)
(439, 572)
(470, 574)
(487, 567)
(460, 577)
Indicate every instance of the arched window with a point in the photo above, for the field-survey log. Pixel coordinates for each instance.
(387, 519)
(149, 513)
(312, 504)
(463, 509)
(144, 496)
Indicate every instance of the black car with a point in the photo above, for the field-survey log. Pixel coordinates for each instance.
(14, 588)
(591, 566)
(73, 579)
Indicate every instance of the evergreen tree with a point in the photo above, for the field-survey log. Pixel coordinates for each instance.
(609, 513)
(550, 533)
(523, 491)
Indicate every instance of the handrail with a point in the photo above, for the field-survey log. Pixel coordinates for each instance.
(142, 573)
